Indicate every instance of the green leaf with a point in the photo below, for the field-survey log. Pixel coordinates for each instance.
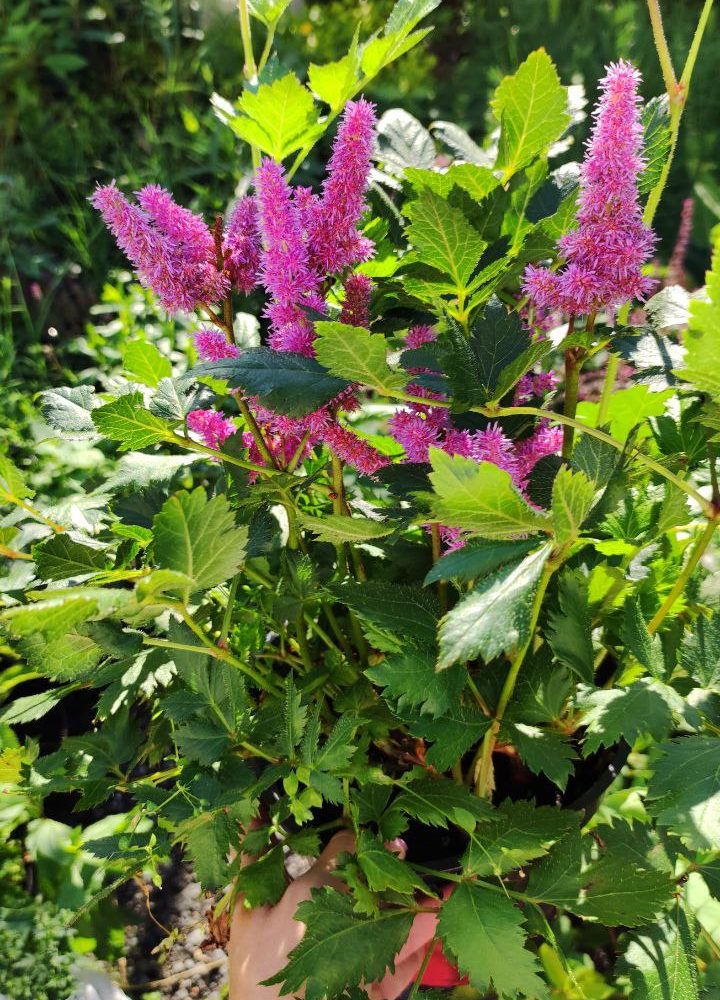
(702, 339)
(661, 962)
(532, 108)
(208, 838)
(126, 421)
(451, 734)
(605, 888)
(294, 718)
(171, 401)
(495, 618)
(31, 707)
(477, 559)
(411, 679)
(443, 238)
(407, 13)
(397, 609)
(483, 931)
(12, 482)
(646, 648)
(684, 792)
(352, 353)
(60, 557)
(572, 497)
(480, 498)
(383, 869)
(700, 651)
(336, 528)
(341, 948)
(279, 117)
(144, 362)
(656, 141)
(379, 52)
(518, 832)
(625, 713)
(68, 409)
(438, 801)
(203, 740)
(268, 11)
(544, 751)
(198, 537)
(263, 882)
(335, 82)
(497, 354)
(287, 383)
(569, 630)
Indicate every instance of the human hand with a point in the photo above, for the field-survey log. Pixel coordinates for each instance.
(262, 938)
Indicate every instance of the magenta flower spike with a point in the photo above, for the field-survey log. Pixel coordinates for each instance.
(604, 255)
(242, 245)
(286, 274)
(171, 249)
(356, 307)
(212, 345)
(211, 427)
(332, 220)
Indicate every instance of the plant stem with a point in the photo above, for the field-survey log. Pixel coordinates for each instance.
(189, 445)
(677, 91)
(483, 766)
(217, 654)
(712, 458)
(227, 617)
(267, 48)
(613, 363)
(302, 642)
(9, 497)
(687, 571)
(572, 385)
(650, 463)
(250, 68)
(422, 970)
(255, 430)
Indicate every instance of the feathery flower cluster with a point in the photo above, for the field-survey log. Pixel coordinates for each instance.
(211, 427)
(356, 307)
(212, 345)
(307, 236)
(605, 254)
(172, 249)
(242, 245)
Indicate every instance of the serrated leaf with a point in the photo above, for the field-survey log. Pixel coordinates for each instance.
(625, 713)
(485, 365)
(544, 751)
(439, 801)
(702, 339)
(335, 82)
(383, 869)
(203, 740)
(684, 792)
(410, 678)
(294, 717)
(336, 528)
(208, 841)
(13, 486)
(451, 734)
(287, 383)
(144, 362)
(700, 651)
(495, 618)
(171, 401)
(268, 11)
(279, 117)
(606, 888)
(518, 832)
(477, 559)
(532, 108)
(484, 932)
(480, 498)
(443, 238)
(68, 409)
(60, 557)
(646, 648)
(404, 143)
(126, 421)
(263, 882)
(198, 537)
(340, 947)
(661, 962)
(399, 609)
(380, 51)
(140, 470)
(407, 13)
(569, 630)
(30, 707)
(349, 352)
(572, 497)
(655, 121)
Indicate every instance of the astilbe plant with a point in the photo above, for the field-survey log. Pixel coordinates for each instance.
(396, 571)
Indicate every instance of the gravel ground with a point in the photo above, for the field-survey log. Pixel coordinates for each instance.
(182, 906)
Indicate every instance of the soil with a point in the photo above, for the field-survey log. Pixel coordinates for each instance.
(194, 966)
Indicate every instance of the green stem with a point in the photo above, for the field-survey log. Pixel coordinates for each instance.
(422, 970)
(677, 92)
(9, 497)
(189, 445)
(267, 48)
(572, 386)
(687, 571)
(483, 766)
(613, 363)
(302, 642)
(650, 463)
(217, 654)
(254, 429)
(250, 68)
(227, 617)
